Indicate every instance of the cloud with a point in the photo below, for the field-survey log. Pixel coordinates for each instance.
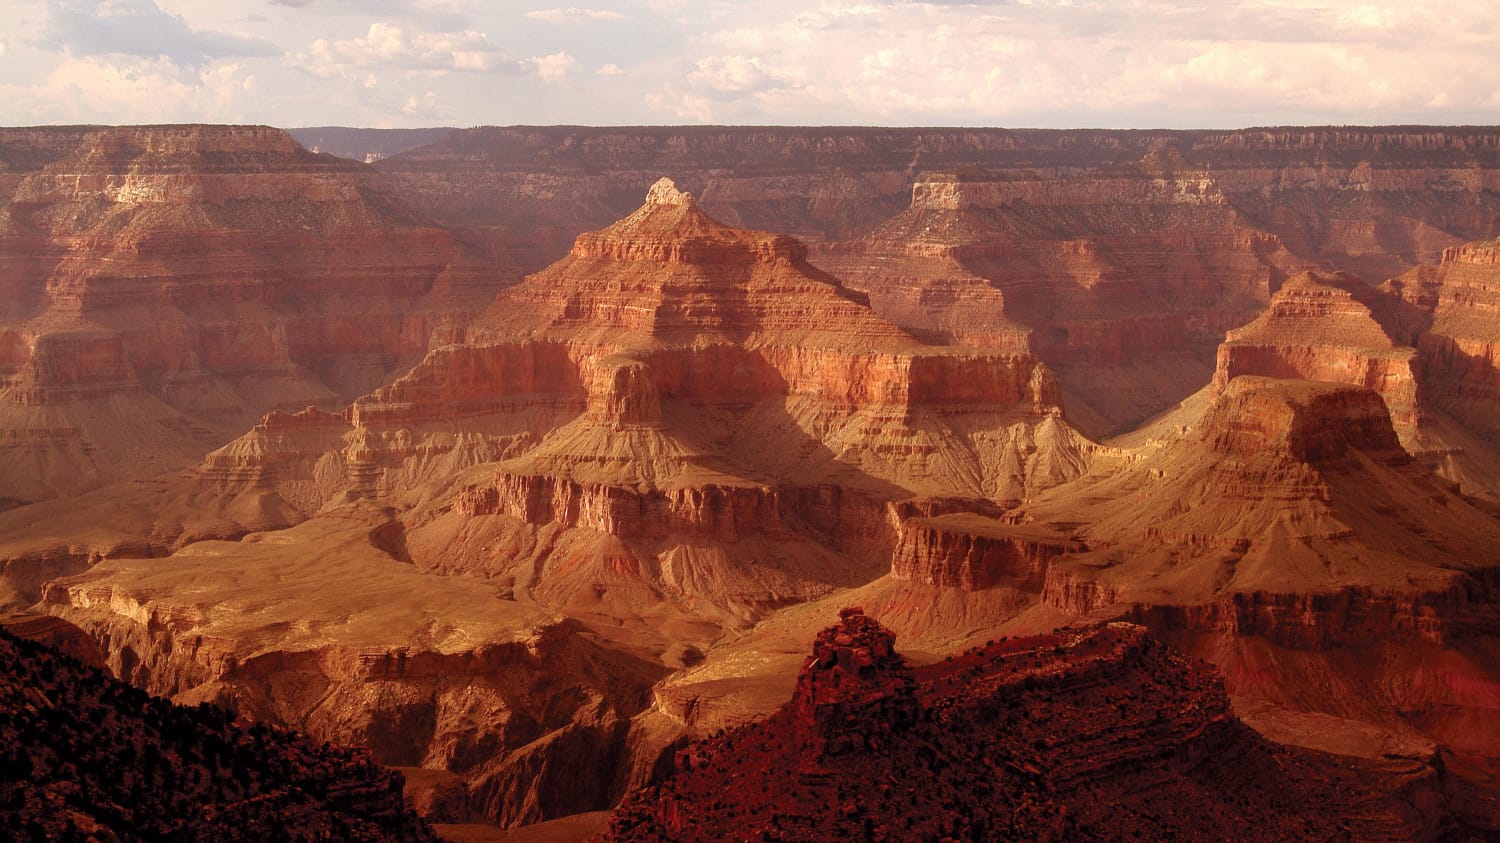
(392, 46)
(1081, 62)
(575, 15)
(730, 75)
(140, 28)
(605, 70)
(557, 67)
(424, 107)
(294, 4)
(129, 89)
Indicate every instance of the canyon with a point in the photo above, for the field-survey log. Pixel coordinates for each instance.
(166, 286)
(540, 492)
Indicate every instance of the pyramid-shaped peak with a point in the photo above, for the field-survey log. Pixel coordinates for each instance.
(665, 192)
(670, 228)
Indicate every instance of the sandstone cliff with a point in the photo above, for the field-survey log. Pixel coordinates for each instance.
(1124, 279)
(1453, 319)
(326, 629)
(165, 286)
(695, 398)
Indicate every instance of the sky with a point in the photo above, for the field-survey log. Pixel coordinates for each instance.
(1017, 63)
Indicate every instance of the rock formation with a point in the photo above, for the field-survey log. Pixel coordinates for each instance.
(89, 757)
(1324, 328)
(1454, 320)
(165, 286)
(325, 628)
(1101, 733)
(693, 402)
(1338, 329)
(1373, 201)
(1287, 537)
(672, 432)
(1289, 486)
(1124, 279)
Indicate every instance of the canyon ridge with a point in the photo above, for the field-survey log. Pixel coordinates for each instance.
(535, 461)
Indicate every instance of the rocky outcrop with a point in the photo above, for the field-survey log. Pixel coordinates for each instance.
(1106, 275)
(1454, 314)
(93, 757)
(855, 693)
(678, 386)
(994, 745)
(1325, 328)
(424, 671)
(173, 283)
(973, 553)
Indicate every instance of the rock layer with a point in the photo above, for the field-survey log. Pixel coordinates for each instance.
(1113, 274)
(682, 387)
(168, 285)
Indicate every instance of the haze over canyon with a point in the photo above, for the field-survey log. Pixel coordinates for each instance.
(753, 483)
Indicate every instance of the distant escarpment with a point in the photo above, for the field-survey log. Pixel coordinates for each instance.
(89, 757)
(1021, 739)
(1123, 279)
(161, 287)
(1369, 200)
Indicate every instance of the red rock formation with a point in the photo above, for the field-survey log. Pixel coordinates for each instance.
(1335, 328)
(323, 627)
(972, 552)
(1096, 734)
(1152, 224)
(677, 383)
(1456, 316)
(672, 432)
(1322, 328)
(1285, 486)
(1370, 200)
(1113, 274)
(1289, 538)
(167, 285)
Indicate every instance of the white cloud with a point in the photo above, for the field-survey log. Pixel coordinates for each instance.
(392, 46)
(557, 67)
(1088, 62)
(423, 107)
(609, 70)
(575, 15)
(730, 75)
(93, 89)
